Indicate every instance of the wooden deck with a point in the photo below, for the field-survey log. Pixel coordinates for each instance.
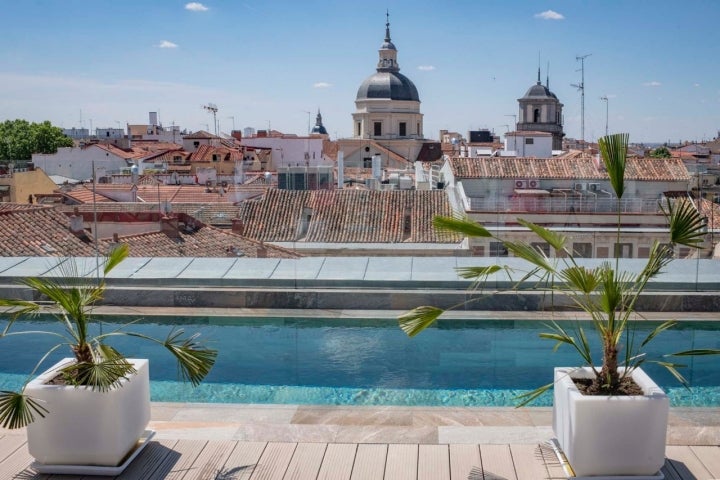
(236, 460)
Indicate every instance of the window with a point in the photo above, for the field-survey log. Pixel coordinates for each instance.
(542, 246)
(358, 129)
(196, 144)
(177, 159)
(536, 115)
(529, 141)
(403, 129)
(623, 250)
(582, 250)
(214, 157)
(377, 129)
(497, 249)
(367, 162)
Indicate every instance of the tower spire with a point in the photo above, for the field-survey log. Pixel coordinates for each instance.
(538, 80)
(387, 25)
(547, 78)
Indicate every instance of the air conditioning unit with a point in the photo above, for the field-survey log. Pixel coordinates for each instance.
(580, 186)
(521, 183)
(533, 183)
(593, 187)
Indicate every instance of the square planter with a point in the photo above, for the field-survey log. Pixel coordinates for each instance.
(85, 427)
(610, 435)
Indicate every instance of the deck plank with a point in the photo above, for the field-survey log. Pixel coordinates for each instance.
(241, 463)
(710, 458)
(189, 450)
(274, 461)
(465, 461)
(17, 465)
(10, 443)
(306, 461)
(370, 462)
(157, 456)
(433, 462)
(497, 462)
(211, 460)
(685, 462)
(338, 461)
(530, 462)
(402, 462)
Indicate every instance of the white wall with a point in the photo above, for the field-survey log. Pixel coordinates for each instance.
(77, 163)
(540, 148)
(291, 152)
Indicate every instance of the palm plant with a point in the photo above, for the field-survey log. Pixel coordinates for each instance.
(97, 365)
(606, 293)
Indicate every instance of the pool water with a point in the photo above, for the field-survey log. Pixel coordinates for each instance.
(369, 362)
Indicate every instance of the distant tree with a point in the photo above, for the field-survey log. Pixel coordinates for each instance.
(660, 152)
(19, 139)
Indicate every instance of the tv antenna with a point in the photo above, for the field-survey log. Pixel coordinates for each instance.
(581, 87)
(211, 107)
(605, 99)
(514, 120)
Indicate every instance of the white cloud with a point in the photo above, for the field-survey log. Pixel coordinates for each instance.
(322, 85)
(167, 44)
(550, 15)
(696, 85)
(196, 7)
(654, 83)
(426, 68)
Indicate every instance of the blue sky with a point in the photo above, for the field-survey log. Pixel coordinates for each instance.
(269, 63)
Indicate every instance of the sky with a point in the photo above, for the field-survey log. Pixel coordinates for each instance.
(273, 64)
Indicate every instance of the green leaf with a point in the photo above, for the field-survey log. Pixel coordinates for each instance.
(417, 319)
(580, 278)
(477, 272)
(194, 359)
(660, 328)
(613, 150)
(462, 225)
(102, 376)
(117, 255)
(697, 351)
(554, 239)
(18, 410)
(529, 397)
(687, 226)
(531, 254)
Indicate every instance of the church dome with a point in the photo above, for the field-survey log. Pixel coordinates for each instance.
(388, 85)
(539, 91)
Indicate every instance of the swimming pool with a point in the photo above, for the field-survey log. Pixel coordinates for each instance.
(371, 361)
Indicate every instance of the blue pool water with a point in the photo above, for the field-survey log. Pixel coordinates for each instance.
(370, 362)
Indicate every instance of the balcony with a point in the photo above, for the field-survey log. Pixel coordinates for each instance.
(569, 204)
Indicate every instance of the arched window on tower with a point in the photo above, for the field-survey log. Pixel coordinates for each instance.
(536, 115)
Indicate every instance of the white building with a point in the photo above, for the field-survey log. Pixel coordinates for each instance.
(291, 151)
(528, 144)
(77, 162)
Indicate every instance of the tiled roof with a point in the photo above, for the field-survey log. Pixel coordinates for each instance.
(84, 194)
(648, 169)
(155, 146)
(346, 216)
(217, 214)
(200, 135)
(39, 231)
(204, 242)
(127, 154)
(205, 153)
(710, 210)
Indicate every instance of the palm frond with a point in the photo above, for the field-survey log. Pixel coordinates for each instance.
(529, 397)
(672, 368)
(460, 224)
(554, 239)
(530, 254)
(18, 410)
(687, 226)
(580, 279)
(194, 359)
(660, 328)
(418, 319)
(694, 352)
(613, 150)
(103, 375)
(477, 273)
(117, 255)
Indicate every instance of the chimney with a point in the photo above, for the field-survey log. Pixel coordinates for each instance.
(77, 226)
(238, 226)
(261, 251)
(170, 226)
(116, 238)
(236, 134)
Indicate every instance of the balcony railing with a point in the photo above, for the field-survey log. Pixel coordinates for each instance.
(564, 205)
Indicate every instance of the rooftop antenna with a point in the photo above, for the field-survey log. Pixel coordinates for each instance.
(581, 87)
(211, 107)
(607, 109)
(514, 121)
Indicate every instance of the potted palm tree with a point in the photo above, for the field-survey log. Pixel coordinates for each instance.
(608, 416)
(94, 407)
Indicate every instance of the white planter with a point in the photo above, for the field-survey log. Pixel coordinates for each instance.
(85, 427)
(610, 436)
